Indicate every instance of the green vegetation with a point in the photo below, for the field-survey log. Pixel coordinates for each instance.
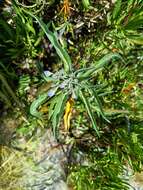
(76, 67)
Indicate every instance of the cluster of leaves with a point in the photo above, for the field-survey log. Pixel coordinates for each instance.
(105, 165)
(18, 34)
(128, 26)
(99, 174)
(67, 83)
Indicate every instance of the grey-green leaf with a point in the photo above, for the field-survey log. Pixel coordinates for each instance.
(36, 103)
(90, 113)
(54, 41)
(57, 109)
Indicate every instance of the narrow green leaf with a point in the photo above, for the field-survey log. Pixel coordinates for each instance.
(87, 106)
(117, 8)
(54, 41)
(100, 64)
(58, 111)
(99, 104)
(36, 103)
(136, 39)
(106, 59)
(130, 4)
(134, 24)
(52, 102)
(86, 4)
(30, 28)
(7, 28)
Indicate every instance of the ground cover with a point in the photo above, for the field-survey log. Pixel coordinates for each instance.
(75, 68)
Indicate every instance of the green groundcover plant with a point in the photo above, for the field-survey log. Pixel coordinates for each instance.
(68, 83)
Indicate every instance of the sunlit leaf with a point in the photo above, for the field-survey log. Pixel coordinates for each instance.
(136, 39)
(86, 4)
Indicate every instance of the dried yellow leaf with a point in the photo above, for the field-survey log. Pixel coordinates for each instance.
(68, 113)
